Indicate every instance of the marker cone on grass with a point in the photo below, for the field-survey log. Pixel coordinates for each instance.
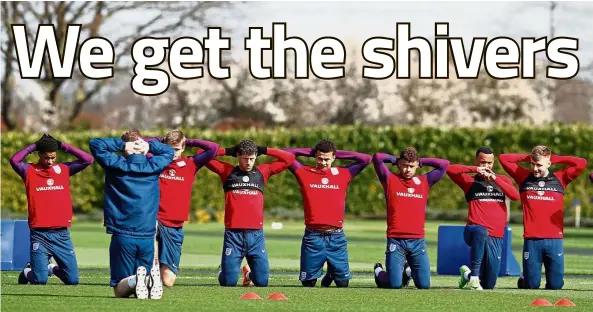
(541, 302)
(277, 296)
(250, 296)
(565, 303)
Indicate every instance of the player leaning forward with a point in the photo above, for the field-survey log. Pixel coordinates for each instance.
(485, 193)
(324, 190)
(542, 199)
(130, 210)
(176, 183)
(47, 184)
(243, 187)
(406, 195)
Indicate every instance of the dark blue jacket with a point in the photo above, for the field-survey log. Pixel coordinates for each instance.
(131, 186)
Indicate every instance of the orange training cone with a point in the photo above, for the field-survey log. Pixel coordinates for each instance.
(277, 296)
(250, 296)
(565, 303)
(541, 302)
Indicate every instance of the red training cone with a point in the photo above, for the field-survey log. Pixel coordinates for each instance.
(250, 296)
(541, 302)
(565, 303)
(277, 296)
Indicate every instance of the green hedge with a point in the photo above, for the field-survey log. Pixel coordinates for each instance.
(365, 196)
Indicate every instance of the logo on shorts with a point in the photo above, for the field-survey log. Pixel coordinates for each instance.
(172, 172)
(35, 246)
(526, 255)
(245, 179)
(303, 275)
(324, 181)
(410, 190)
(228, 251)
(50, 182)
(392, 247)
(489, 188)
(416, 180)
(541, 183)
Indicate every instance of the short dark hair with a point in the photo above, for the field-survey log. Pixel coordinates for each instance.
(409, 153)
(246, 147)
(325, 146)
(131, 135)
(484, 149)
(47, 145)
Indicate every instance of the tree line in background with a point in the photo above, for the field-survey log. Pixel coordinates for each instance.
(245, 101)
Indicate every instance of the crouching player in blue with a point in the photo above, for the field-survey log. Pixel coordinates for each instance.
(324, 190)
(176, 183)
(243, 187)
(130, 210)
(406, 195)
(485, 194)
(47, 184)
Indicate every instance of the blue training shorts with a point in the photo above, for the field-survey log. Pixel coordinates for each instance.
(169, 241)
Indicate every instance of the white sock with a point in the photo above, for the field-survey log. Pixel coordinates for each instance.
(466, 275)
(474, 278)
(132, 281)
(50, 269)
(26, 271)
(409, 272)
(377, 270)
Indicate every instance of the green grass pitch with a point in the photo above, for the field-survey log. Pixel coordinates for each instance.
(197, 286)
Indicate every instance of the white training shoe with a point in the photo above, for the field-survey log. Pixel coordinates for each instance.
(156, 284)
(141, 289)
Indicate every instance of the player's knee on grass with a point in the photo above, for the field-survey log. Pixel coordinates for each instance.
(423, 285)
(394, 284)
(525, 283)
(486, 284)
(71, 280)
(309, 283)
(554, 284)
(259, 280)
(38, 278)
(229, 279)
(168, 276)
(342, 284)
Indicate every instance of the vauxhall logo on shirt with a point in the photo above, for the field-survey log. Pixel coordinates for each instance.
(245, 183)
(50, 186)
(324, 185)
(171, 174)
(410, 193)
(541, 186)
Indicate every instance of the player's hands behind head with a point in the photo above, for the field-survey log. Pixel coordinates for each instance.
(231, 151)
(137, 147)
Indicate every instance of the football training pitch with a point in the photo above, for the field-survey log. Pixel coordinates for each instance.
(197, 285)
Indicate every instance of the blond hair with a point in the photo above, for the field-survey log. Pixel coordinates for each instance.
(174, 137)
(540, 151)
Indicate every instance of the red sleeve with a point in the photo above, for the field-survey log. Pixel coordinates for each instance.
(507, 187)
(576, 167)
(285, 159)
(509, 163)
(459, 175)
